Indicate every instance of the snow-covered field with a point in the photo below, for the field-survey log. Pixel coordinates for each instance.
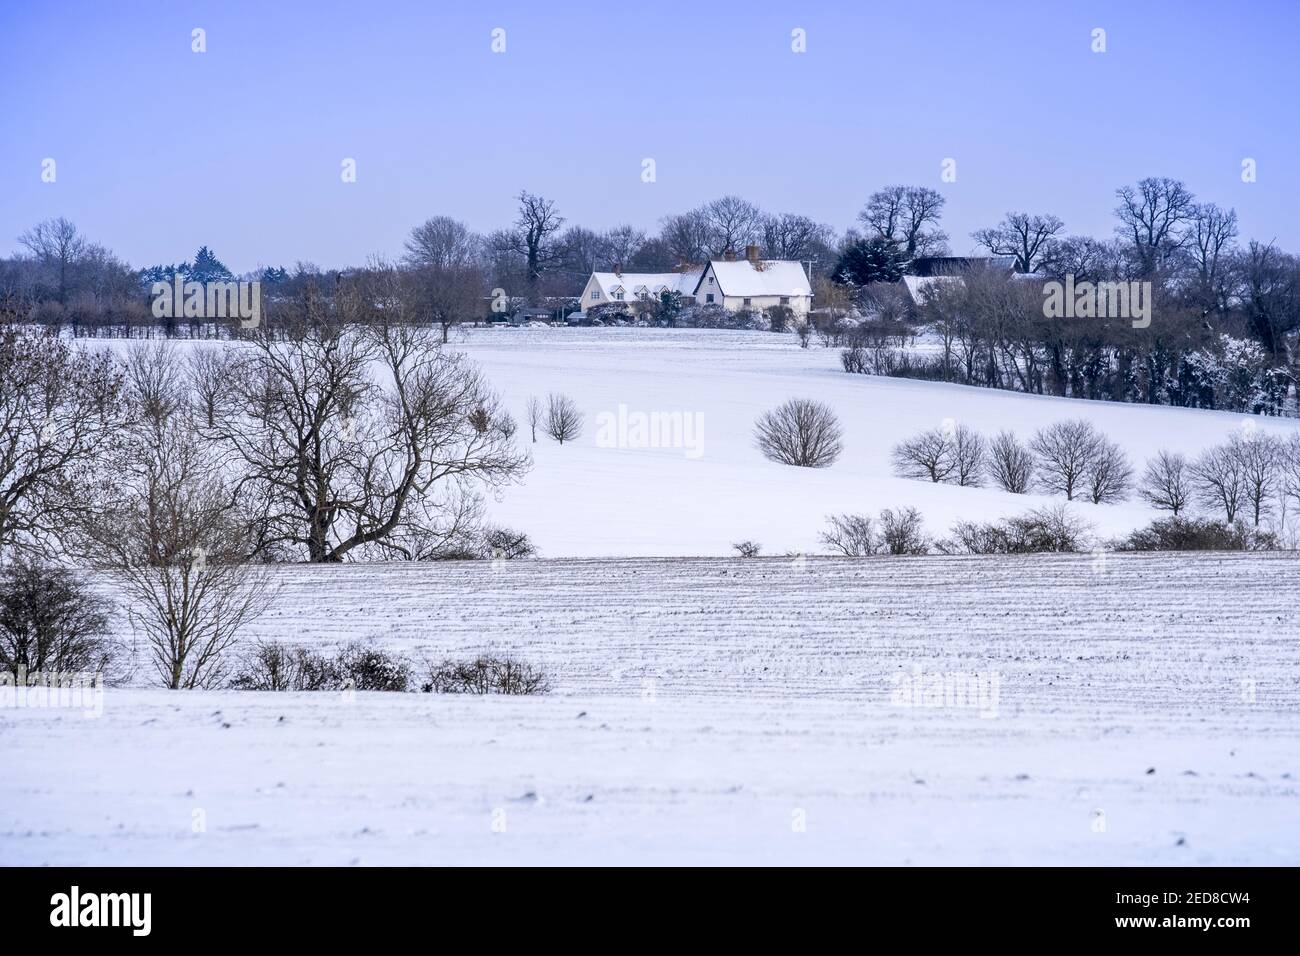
(1130, 710)
(586, 500)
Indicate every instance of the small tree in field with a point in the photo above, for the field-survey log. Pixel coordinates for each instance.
(928, 455)
(1065, 452)
(563, 419)
(1166, 482)
(1109, 473)
(1009, 464)
(534, 412)
(800, 432)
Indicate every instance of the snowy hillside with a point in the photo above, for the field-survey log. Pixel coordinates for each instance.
(585, 500)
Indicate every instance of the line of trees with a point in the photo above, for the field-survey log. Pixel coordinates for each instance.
(1252, 476)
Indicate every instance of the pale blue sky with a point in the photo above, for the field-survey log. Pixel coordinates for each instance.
(159, 149)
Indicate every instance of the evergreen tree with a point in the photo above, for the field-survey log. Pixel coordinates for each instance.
(869, 260)
(208, 268)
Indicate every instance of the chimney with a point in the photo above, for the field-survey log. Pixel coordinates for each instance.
(751, 252)
(729, 255)
(618, 268)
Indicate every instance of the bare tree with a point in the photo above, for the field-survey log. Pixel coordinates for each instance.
(443, 243)
(56, 244)
(1065, 452)
(538, 222)
(800, 432)
(1152, 215)
(208, 372)
(1009, 464)
(1027, 238)
(563, 418)
(1218, 480)
(1258, 456)
(335, 462)
(173, 539)
(968, 454)
(1109, 473)
(687, 236)
(1166, 482)
(534, 412)
(928, 455)
(1210, 234)
(794, 237)
(851, 536)
(907, 216)
(50, 622)
(60, 410)
(733, 223)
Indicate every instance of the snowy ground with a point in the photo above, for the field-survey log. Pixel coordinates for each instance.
(586, 500)
(597, 498)
(1147, 711)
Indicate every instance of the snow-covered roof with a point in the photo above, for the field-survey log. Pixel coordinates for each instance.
(766, 277)
(916, 285)
(632, 284)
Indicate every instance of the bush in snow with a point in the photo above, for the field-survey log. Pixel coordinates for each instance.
(1192, 534)
(368, 668)
(901, 532)
(275, 666)
(485, 675)
(50, 621)
(852, 536)
(747, 548)
(800, 432)
(1052, 529)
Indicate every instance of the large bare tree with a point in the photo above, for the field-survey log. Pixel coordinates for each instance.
(340, 463)
(60, 409)
(1027, 238)
(907, 216)
(1152, 215)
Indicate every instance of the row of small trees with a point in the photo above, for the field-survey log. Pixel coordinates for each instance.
(1253, 473)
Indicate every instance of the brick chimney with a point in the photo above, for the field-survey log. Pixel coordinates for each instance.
(751, 252)
(729, 255)
(618, 268)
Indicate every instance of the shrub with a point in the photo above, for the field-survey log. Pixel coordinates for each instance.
(954, 453)
(279, 667)
(505, 543)
(747, 548)
(853, 536)
(1041, 530)
(368, 668)
(485, 675)
(800, 432)
(901, 532)
(50, 621)
(1192, 534)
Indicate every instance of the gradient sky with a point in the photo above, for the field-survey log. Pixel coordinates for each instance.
(160, 149)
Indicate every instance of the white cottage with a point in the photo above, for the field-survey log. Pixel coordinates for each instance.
(734, 284)
(754, 283)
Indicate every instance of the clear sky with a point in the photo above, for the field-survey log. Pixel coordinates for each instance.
(159, 149)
